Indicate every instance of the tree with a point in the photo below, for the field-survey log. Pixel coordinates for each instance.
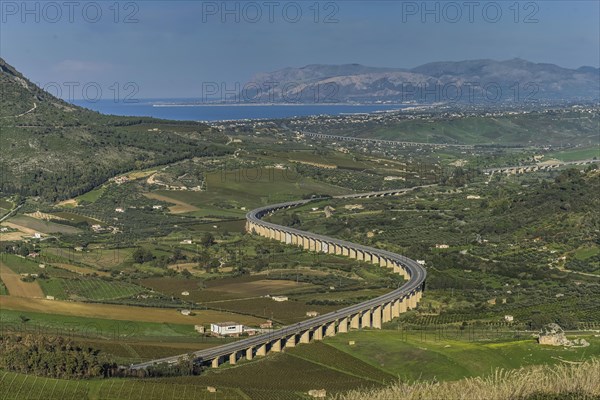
(141, 255)
(207, 239)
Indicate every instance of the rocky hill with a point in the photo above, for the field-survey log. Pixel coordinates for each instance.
(476, 81)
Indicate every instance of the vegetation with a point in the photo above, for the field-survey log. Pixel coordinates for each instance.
(564, 381)
(54, 357)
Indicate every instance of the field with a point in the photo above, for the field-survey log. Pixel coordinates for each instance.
(584, 153)
(80, 270)
(31, 225)
(99, 258)
(169, 197)
(165, 333)
(445, 356)
(121, 312)
(76, 217)
(559, 382)
(92, 195)
(89, 288)
(228, 191)
(16, 287)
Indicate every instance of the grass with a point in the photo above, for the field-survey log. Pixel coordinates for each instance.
(19, 265)
(92, 195)
(89, 288)
(584, 253)
(68, 325)
(33, 224)
(17, 287)
(228, 191)
(121, 312)
(287, 312)
(77, 218)
(565, 381)
(98, 258)
(416, 357)
(583, 153)
(28, 387)
(6, 204)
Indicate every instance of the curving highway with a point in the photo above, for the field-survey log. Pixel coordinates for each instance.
(368, 314)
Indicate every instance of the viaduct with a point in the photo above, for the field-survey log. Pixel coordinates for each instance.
(369, 314)
(539, 167)
(383, 141)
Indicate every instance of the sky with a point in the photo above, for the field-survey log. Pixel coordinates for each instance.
(174, 49)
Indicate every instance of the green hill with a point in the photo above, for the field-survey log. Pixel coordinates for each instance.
(56, 150)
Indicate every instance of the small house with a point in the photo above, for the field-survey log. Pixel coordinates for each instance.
(186, 312)
(226, 328)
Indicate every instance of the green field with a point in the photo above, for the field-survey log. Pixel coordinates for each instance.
(416, 355)
(584, 153)
(42, 226)
(93, 327)
(92, 195)
(6, 204)
(376, 358)
(20, 265)
(227, 192)
(77, 217)
(89, 288)
(98, 258)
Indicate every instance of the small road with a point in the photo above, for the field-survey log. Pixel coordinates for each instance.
(26, 112)
(11, 212)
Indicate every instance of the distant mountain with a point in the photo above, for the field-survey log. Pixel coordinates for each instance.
(56, 150)
(476, 81)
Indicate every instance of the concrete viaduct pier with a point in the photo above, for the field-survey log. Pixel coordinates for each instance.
(369, 314)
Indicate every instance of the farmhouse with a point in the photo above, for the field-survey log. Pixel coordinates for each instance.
(266, 325)
(186, 312)
(312, 313)
(441, 246)
(226, 328)
(279, 298)
(199, 328)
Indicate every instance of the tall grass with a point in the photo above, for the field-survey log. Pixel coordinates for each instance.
(564, 381)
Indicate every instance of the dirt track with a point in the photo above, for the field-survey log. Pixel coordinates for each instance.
(178, 208)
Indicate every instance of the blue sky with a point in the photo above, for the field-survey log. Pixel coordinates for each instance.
(169, 49)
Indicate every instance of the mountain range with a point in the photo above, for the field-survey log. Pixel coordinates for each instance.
(476, 81)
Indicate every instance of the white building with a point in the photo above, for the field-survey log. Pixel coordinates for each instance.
(509, 318)
(279, 298)
(226, 328)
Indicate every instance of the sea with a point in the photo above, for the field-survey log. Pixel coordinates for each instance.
(185, 110)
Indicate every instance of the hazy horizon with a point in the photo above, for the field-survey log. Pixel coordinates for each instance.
(170, 48)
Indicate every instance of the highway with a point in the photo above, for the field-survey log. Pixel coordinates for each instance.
(415, 283)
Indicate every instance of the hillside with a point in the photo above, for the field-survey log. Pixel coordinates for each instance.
(527, 81)
(56, 150)
(566, 381)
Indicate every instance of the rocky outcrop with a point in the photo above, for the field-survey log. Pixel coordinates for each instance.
(554, 335)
